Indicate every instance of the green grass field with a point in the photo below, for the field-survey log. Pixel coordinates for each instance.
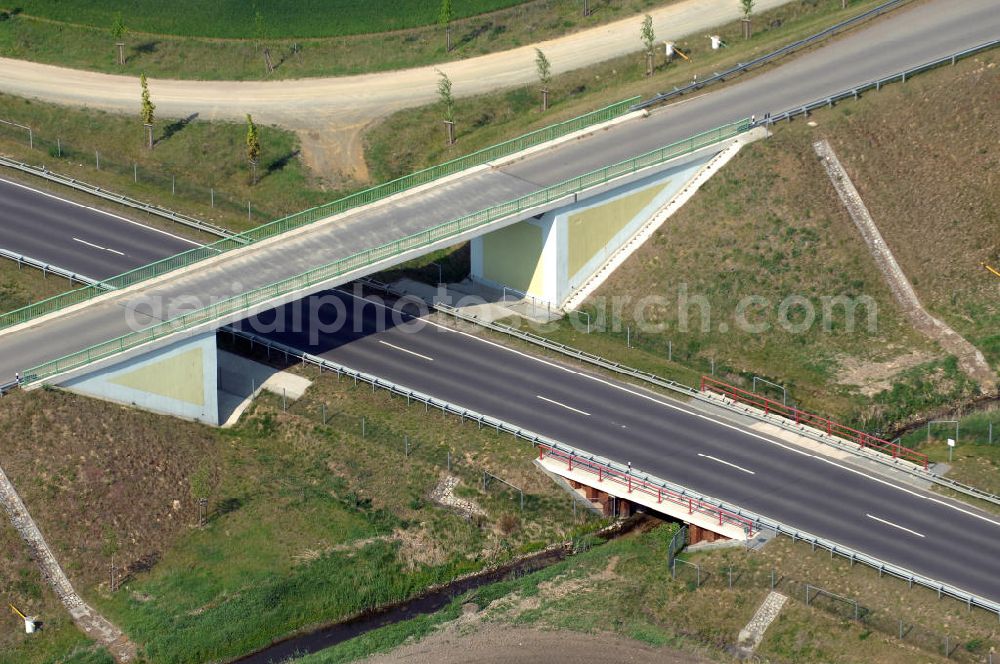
(624, 588)
(235, 19)
(308, 522)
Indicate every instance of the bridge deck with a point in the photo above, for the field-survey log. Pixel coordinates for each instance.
(915, 35)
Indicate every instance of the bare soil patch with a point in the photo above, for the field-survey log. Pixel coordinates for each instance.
(500, 644)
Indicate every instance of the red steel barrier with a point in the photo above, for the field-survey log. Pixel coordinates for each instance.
(826, 425)
(605, 473)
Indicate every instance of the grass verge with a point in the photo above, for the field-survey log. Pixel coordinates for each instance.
(19, 287)
(402, 142)
(196, 167)
(308, 522)
(625, 588)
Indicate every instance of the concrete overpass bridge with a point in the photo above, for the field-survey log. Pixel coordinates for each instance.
(736, 473)
(195, 292)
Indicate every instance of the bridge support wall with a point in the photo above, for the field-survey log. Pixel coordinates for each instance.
(549, 256)
(180, 379)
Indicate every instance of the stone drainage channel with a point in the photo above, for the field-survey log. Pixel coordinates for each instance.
(434, 599)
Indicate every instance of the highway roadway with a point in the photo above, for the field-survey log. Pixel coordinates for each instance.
(90, 242)
(904, 38)
(917, 530)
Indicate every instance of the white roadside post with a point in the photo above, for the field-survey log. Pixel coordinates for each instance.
(951, 448)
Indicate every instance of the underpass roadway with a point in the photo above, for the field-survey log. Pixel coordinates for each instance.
(836, 499)
(903, 39)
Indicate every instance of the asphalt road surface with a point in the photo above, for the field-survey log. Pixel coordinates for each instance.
(81, 239)
(924, 533)
(905, 38)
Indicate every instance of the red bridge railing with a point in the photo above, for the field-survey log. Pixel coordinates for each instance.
(826, 425)
(606, 473)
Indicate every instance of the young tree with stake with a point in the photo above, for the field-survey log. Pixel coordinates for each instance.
(445, 16)
(544, 70)
(648, 40)
(146, 109)
(253, 148)
(118, 32)
(448, 102)
(747, 7)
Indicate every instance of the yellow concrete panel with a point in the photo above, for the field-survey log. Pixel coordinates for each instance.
(512, 256)
(180, 377)
(590, 230)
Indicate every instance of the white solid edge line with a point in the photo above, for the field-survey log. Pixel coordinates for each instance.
(733, 465)
(429, 359)
(575, 410)
(104, 212)
(97, 246)
(704, 417)
(895, 525)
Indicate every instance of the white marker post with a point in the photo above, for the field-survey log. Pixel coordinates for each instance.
(951, 448)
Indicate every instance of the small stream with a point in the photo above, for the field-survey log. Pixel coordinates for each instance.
(430, 601)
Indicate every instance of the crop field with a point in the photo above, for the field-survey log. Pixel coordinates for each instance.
(235, 19)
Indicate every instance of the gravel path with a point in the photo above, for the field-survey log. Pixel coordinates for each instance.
(971, 359)
(330, 113)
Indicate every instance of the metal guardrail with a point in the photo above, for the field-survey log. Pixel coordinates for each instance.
(121, 199)
(693, 393)
(855, 92)
(7, 387)
(369, 257)
(757, 521)
(21, 259)
(305, 217)
(769, 57)
(800, 417)
(634, 482)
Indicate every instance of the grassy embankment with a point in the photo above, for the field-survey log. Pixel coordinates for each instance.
(19, 287)
(770, 224)
(210, 154)
(219, 40)
(22, 585)
(402, 142)
(624, 587)
(308, 523)
(190, 159)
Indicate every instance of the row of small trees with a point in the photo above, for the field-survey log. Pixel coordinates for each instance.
(147, 113)
(544, 68)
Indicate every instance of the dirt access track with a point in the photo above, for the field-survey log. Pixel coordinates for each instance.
(501, 644)
(330, 113)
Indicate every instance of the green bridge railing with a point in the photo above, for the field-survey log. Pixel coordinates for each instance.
(370, 257)
(314, 214)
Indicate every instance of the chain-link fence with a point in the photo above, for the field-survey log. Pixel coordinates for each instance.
(55, 153)
(753, 573)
